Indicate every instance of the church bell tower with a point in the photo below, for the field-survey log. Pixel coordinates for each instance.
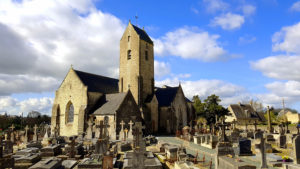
(136, 63)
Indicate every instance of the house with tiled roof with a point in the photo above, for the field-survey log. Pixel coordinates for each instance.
(244, 114)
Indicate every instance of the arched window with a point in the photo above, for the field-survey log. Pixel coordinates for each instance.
(70, 113)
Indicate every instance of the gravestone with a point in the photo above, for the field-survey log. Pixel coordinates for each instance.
(125, 134)
(69, 164)
(113, 134)
(35, 136)
(130, 135)
(270, 128)
(138, 136)
(235, 135)
(72, 152)
(121, 134)
(89, 133)
(51, 150)
(25, 161)
(296, 148)
(89, 163)
(26, 134)
(49, 163)
(101, 144)
(12, 135)
(244, 148)
(262, 149)
(231, 163)
(45, 141)
(282, 141)
(224, 147)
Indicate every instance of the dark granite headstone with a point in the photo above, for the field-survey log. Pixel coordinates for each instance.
(245, 147)
(282, 141)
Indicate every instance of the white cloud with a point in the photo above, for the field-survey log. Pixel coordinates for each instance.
(40, 39)
(228, 92)
(13, 106)
(246, 39)
(279, 67)
(228, 21)
(248, 9)
(213, 6)
(287, 39)
(24, 83)
(289, 91)
(161, 69)
(295, 6)
(285, 89)
(190, 43)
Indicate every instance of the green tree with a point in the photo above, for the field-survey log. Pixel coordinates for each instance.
(213, 109)
(198, 106)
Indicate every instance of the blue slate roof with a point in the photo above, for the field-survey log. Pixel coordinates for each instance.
(143, 35)
(97, 83)
(165, 96)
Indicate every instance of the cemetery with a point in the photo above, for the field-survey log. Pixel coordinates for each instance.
(227, 146)
(100, 122)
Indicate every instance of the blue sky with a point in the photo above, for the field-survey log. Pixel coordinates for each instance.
(237, 49)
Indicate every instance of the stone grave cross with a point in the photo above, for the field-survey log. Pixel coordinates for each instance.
(121, 135)
(223, 136)
(262, 149)
(101, 126)
(122, 125)
(35, 136)
(106, 133)
(138, 132)
(26, 134)
(89, 134)
(12, 136)
(46, 133)
(130, 135)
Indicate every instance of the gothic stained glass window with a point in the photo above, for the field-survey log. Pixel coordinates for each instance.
(70, 113)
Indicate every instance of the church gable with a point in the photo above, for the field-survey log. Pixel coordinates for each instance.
(71, 80)
(165, 95)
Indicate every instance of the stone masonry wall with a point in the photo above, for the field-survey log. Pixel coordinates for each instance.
(74, 91)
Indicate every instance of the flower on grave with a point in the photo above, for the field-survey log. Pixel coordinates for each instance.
(285, 157)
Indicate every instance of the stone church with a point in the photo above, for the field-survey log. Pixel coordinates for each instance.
(84, 97)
